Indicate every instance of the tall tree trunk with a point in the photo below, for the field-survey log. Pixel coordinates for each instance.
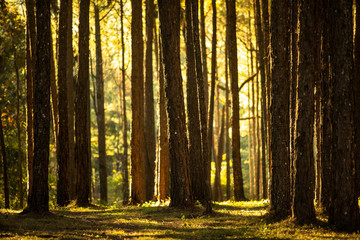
(304, 174)
(201, 86)
(100, 110)
(71, 104)
(18, 128)
(82, 111)
(238, 177)
(357, 92)
(138, 154)
(344, 209)
(125, 170)
(279, 154)
(293, 86)
(4, 165)
(203, 52)
(218, 195)
(62, 148)
(212, 90)
(196, 158)
(227, 146)
(39, 197)
(262, 52)
(30, 76)
(164, 138)
(326, 129)
(169, 13)
(150, 136)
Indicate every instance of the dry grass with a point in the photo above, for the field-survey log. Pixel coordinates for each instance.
(242, 220)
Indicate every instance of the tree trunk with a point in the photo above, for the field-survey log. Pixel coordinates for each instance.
(82, 111)
(196, 158)
(356, 93)
(39, 197)
(71, 104)
(164, 138)
(260, 43)
(125, 171)
(304, 175)
(212, 90)
(344, 209)
(203, 52)
(237, 171)
(18, 128)
(227, 146)
(150, 136)
(201, 86)
(30, 76)
(279, 154)
(169, 13)
(218, 195)
(138, 154)
(62, 148)
(4, 165)
(100, 111)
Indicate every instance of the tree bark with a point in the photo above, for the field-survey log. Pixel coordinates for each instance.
(138, 154)
(227, 146)
(150, 136)
(169, 13)
(82, 111)
(30, 76)
(100, 110)
(62, 148)
(218, 195)
(238, 177)
(203, 53)
(196, 158)
(4, 165)
(344, 209)
(39, 197)
(164, 138)
(357, 92)
(212, 91)
(304, 175)
(125, 171)
(279, 154)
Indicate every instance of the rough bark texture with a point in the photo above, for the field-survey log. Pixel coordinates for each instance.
(357, 93)
(125, 170)
(344, 209)
(71, 104)
(326, 135)
(150, 136)
(82, 110)
(203, 52)
(169, 13)
(212, 93)
(262, 52)
(164, 138)
(304, 174)
(138, 154)
(62, 148)
(30, 75)
(218, 195)
(196, 158)
(227, 145)
(39, 197)
(237, 171)
(4, 165)
(100, 117)
(201, 82)
(279, 153)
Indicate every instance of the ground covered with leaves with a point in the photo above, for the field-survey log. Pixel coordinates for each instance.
(230, 220)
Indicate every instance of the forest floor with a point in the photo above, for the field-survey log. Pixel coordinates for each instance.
(230, 220)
